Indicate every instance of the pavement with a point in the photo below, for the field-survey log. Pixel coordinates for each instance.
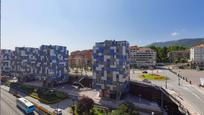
(8, 104)
(76, 94)
(192, 96)
(190, 74)
(83, 72)
(64, 105)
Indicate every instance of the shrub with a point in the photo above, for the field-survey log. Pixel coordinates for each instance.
(84, 105)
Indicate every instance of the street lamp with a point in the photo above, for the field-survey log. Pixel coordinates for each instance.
(179, 78)
(166, 81)
(140, 96)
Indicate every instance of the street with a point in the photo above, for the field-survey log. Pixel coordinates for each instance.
(189, 93)
(8, 104)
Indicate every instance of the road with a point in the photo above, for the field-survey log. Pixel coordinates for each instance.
(8, 104)
(186, 91)
(189, 93)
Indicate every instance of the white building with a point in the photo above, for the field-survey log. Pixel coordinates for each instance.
(142, 57)
(197, 55)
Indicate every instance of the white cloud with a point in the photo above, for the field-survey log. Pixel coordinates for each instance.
(174, 34)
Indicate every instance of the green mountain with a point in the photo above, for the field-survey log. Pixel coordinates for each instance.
(181, 42)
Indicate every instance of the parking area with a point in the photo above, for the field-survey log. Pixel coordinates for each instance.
(192, 75)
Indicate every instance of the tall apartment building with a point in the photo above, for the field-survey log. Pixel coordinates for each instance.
(111, 67)
(176, 55)
(26, 63)
(49, 62)
(6, 62)
(142, 57)
(54, 62)
(197, 55)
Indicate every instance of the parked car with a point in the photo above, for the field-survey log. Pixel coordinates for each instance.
(146, 81)
(144, 72)
(58, 112)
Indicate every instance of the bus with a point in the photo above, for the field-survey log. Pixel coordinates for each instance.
(25, 105)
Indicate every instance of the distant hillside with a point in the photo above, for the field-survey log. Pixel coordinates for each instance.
(181, 42)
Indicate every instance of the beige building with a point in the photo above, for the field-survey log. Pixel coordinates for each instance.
(176, 55)
(142, 57)
(197, 55)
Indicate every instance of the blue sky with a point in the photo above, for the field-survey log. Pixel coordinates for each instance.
(78, 24)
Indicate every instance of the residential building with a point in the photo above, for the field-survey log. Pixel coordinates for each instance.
(54, 63)
(111, 68)
(81, 59)
(6, 62)
(142, 57)
(26, 64)
(197, 55)
(75, 59)
(174, 56)
(87, 56)
(48, 63)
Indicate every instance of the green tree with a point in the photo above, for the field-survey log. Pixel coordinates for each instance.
(163, 51)
(84, 105)
(125, 109)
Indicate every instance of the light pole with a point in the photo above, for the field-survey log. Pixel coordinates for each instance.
(166, 81)
(140, 97)
(179, 78)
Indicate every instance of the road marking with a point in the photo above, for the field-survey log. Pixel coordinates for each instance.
(187, 89)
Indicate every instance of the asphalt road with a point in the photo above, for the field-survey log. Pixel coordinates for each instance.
(188, 92)
(8, 104)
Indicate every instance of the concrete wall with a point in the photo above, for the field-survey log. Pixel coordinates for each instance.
(145, 91)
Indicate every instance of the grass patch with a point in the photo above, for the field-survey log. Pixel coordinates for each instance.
(7, 83)
(153, 77)
(44, 95)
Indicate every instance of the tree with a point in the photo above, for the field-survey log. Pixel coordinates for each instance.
(84, 105)
(163, 51)
(125, 109)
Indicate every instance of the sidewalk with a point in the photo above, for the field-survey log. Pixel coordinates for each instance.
(64, 105)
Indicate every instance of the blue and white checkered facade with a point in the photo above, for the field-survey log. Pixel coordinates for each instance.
(6, 62)
(54, 61)
(26, 62)
(111, 65)
(47, 62)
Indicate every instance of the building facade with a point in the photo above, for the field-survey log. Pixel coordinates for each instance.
(197, 55)
(54, 63)
(26, 64)
(48, 63)
(142, 57)
(111, 67)
(177, 55)
(81, 59)
(6, 62)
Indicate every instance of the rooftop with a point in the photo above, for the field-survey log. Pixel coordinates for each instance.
(199, 46)
(27, 103)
